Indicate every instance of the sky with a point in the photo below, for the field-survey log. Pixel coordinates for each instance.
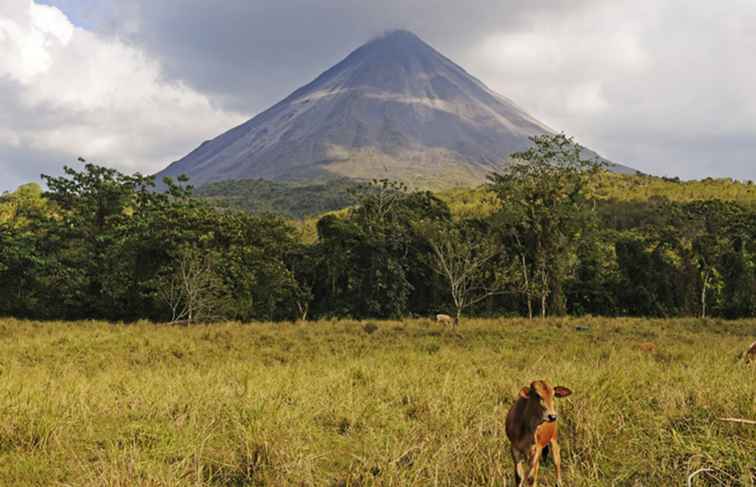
(663, 86)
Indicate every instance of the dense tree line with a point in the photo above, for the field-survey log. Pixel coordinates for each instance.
(102, 245)
(98, 244)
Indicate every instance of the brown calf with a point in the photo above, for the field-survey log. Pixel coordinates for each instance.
(532, 430)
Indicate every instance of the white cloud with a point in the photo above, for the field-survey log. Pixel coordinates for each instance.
(666, 87)
(70, 92)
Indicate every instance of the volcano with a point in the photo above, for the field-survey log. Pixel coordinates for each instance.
(394, 108)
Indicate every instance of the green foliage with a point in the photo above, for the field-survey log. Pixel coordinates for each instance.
(543, 208)
(625, 190)
(683, 258)
(107, 242)
(593, 284)
(19, 208)
(192, 287)
(369, 260)
(644, 188)
(286, 198)
(464, 255)
(553, 233)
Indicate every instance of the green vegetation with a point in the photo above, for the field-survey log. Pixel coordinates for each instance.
(641, 188)
(546, 238)
(291, 199)
(376, 403)
(100, 244)
(623, 188)
(308, 199)
(544, 213)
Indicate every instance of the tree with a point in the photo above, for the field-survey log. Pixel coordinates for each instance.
(738, 266)
(706, 228)
(592, 285)
(463, 257)
(369, 261)
(98, 244)
(302, 260)
(362, 269)
(192, 289)
(91, 239)
(543, 206)
(24, 205)
(378, 201)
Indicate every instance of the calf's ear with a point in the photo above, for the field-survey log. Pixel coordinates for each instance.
(560, 391)
(525, 392)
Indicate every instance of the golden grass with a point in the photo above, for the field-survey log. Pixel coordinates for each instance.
(331, 403)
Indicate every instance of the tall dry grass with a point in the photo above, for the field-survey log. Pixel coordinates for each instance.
(341, 403)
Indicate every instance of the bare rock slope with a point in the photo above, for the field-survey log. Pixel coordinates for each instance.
(393, 108)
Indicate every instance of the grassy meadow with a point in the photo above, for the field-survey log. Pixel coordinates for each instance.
(349, 403)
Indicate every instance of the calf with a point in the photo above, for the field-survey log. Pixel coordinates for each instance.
(446, 320)
(532, 430)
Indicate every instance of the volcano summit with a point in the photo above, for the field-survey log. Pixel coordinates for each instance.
(394, 108)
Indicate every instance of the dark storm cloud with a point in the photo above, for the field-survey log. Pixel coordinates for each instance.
(250, 54)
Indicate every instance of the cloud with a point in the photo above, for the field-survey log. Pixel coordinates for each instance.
(666, 87)
(66, 92)
(661, 86)
(250, 54)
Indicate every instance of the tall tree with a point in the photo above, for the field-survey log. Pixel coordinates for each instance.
(706, 228)
(192, 287)
(543, 206)
(463, 257)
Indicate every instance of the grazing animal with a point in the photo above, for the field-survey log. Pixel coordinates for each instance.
(647, 347)
(447, 320)
(750, 355)
(532, 430)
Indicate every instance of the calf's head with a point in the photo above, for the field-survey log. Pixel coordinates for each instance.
(540, 396)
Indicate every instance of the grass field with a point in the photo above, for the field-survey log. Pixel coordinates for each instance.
(345, 403)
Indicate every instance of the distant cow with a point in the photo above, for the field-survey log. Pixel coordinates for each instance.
(447, 320)
(750, 355)
(647, 347)
(532, 430)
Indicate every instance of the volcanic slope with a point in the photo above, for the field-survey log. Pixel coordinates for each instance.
(394, 108)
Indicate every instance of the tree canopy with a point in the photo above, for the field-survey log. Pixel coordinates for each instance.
(546, 236)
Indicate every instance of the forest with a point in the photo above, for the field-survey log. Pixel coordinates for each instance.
(550, 236)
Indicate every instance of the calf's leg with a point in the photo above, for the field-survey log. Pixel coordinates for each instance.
(557, 461)
(519, 464)
(535, 462)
